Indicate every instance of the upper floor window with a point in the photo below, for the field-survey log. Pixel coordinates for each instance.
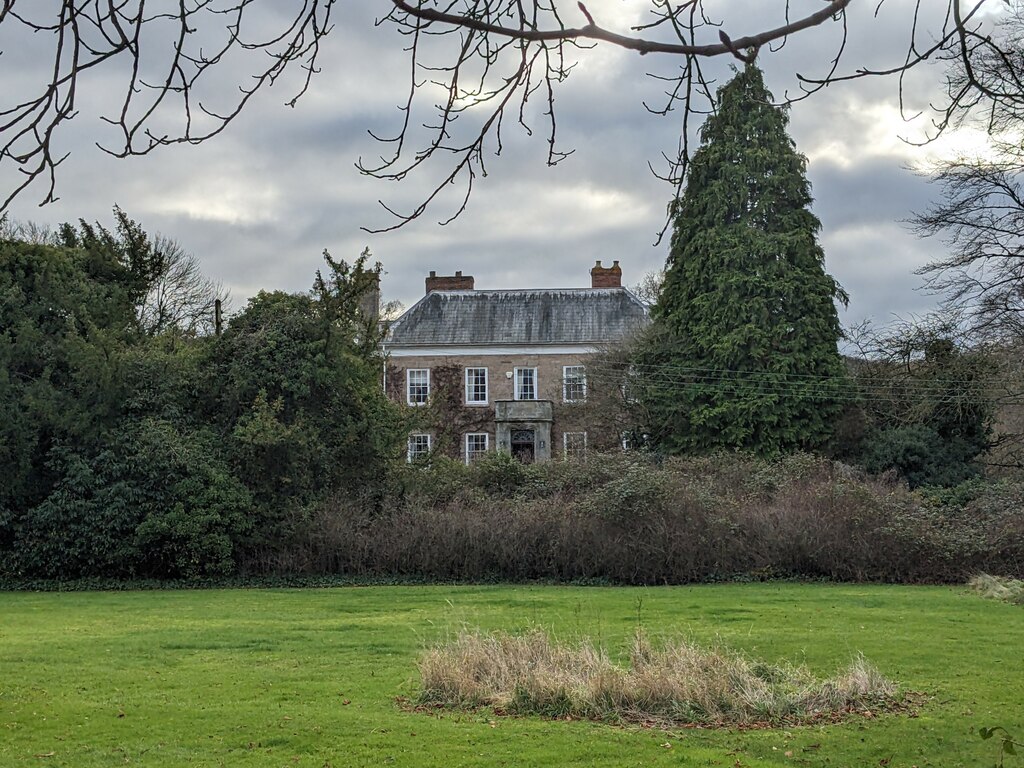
(574, 383)
(476, 386)
(419, 446)
(574, 444)
(476, 446)
(526, 384)
(417, 386)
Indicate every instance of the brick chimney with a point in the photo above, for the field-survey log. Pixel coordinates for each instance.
(369, 302)
(606, 277)
(456, 282)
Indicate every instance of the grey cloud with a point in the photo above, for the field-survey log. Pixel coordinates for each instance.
(260, 203)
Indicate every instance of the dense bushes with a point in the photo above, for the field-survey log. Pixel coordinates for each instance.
(628, 518)
(925, 407)
(131, 453)
(153, 502)
(921, 456)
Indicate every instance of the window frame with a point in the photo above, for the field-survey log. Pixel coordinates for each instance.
(465, 445)
(578, 453)
(468, 387)
(409, 456)
(408, 386)
(581, 381)
(517, 390)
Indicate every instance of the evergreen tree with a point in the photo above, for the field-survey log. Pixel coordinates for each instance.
(743, 348)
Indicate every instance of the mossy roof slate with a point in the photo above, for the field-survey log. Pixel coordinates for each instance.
(520, 317)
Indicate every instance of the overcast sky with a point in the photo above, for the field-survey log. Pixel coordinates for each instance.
(260, 203)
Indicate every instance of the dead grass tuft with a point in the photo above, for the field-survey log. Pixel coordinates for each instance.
(676, 682)
(998, 588)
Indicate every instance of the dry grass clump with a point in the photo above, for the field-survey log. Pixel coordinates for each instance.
(998, 588)
(677, 682)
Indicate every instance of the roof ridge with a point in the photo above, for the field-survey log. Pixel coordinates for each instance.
(527, 290)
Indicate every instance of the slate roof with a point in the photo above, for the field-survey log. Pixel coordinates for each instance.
(514, 317)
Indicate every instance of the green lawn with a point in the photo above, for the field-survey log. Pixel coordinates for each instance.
(310, 677)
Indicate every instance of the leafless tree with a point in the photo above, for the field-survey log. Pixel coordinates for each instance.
(484, 61)
(980, 214)
(166, 53)
(26, 232)
(180, 296)
(648, 288)
(981, 220)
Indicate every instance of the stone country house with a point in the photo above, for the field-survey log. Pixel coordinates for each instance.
(506, 370)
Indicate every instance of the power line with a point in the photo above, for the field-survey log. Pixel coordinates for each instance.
(668, 379)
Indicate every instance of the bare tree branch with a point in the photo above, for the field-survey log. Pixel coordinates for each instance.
(86, 34)
(477, 69)
(591, 31)
(180, 297)
(980, 214)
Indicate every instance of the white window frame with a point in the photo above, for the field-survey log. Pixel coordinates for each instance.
(487, 445)
(517, 388)
(408, 386)
(469, 386)
(582, 380)
(565, 445)
(409, 455)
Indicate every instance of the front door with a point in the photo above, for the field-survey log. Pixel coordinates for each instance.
(523, 445)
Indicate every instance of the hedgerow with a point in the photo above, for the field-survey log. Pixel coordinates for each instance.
(635, 519)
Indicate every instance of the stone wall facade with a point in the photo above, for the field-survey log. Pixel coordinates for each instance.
(557, 425)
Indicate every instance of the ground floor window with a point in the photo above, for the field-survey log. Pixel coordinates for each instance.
(476, 446)
(574, 444)
(419, 446)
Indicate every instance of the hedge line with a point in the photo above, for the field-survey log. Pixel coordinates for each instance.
(633, 519)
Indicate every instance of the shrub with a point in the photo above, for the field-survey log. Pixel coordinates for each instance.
(153, 502)
(631, 519)
(639, 492)
(921, 456)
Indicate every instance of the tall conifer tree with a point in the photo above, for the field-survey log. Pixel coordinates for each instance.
(743, 351)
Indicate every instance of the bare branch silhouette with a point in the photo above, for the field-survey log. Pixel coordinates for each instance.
(165, 58)
(477, 69)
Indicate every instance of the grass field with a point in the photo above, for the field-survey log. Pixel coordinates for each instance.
(310, 677)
